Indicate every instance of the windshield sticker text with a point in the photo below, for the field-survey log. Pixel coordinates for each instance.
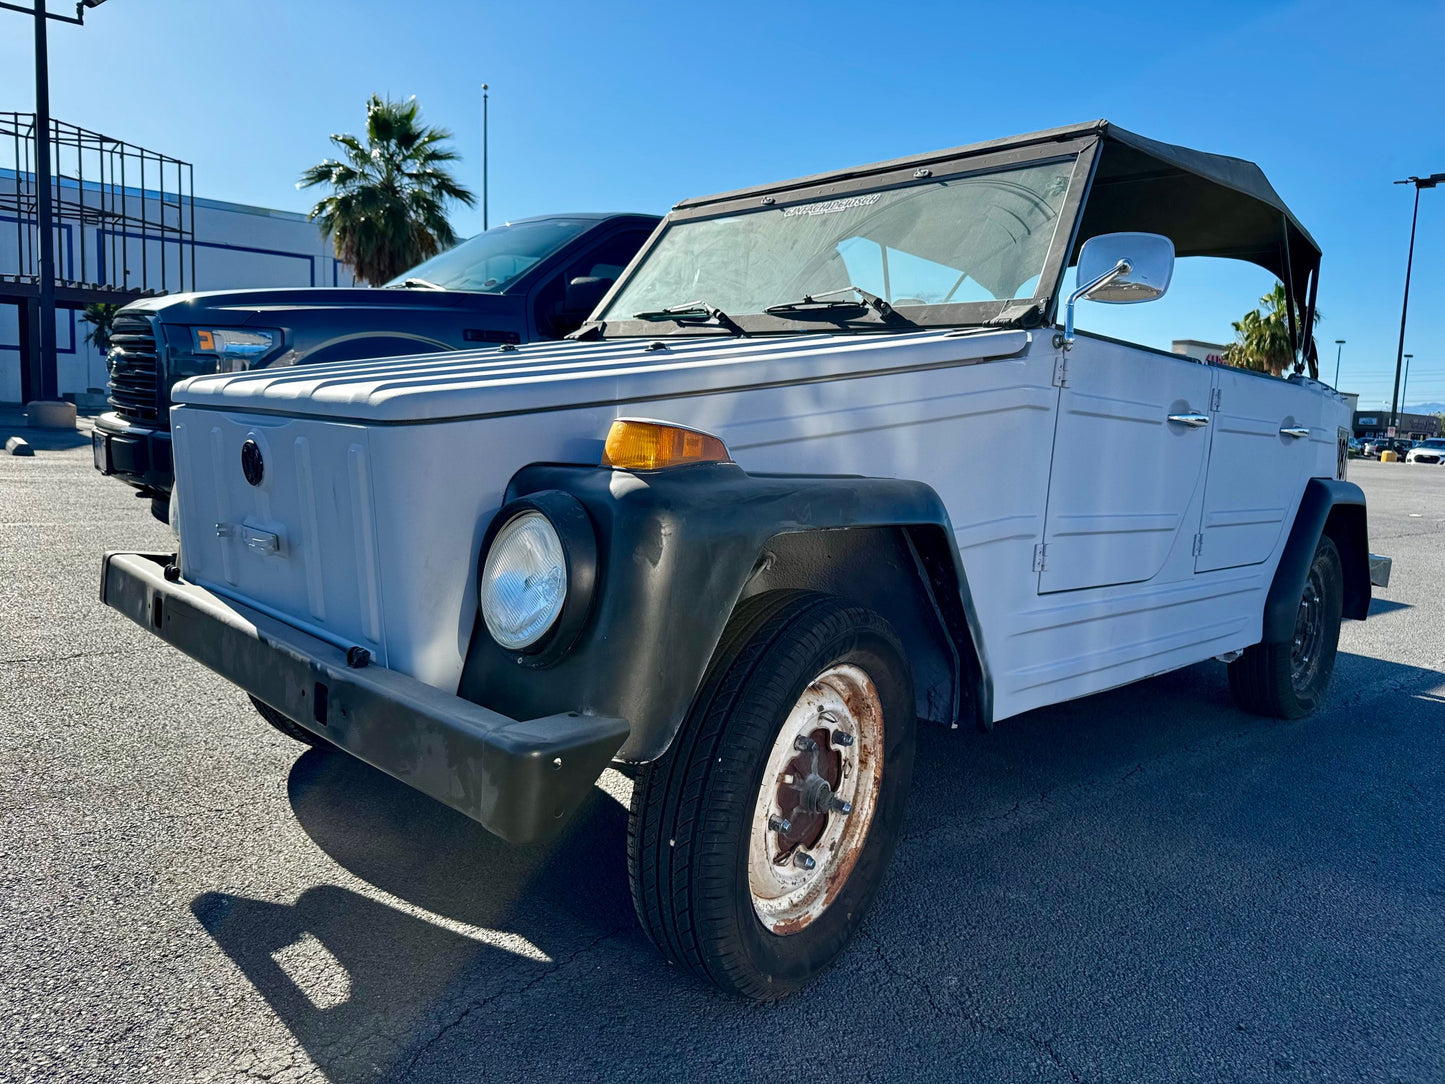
(833, 206)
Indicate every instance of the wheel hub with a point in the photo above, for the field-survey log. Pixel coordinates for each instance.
(1306, 649)
(817, 798)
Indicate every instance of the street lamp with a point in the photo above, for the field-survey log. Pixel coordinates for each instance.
(47, 386)
(1419, 183)
(1339, 349)
(484, 157)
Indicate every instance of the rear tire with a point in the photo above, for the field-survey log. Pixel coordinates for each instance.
(1289, 680)
(294, 731)
(718, 884)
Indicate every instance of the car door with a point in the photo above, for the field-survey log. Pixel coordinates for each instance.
(1266, 439)
(1130, 447)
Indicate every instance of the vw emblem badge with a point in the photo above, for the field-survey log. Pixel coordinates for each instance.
(252, 465)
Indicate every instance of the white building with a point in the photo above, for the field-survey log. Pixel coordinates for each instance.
(236, 247)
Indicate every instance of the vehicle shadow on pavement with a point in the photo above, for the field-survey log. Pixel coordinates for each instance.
(445, 980)
(363, 984)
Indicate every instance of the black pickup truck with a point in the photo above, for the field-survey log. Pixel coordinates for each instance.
(535, 278)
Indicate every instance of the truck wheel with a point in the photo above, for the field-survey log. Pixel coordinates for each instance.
(1289, 680)
(292, 730)
(757, 843)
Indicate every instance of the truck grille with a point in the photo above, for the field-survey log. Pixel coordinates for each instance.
(133, 370)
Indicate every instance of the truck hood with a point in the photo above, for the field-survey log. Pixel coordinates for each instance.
(265, 308)
(549, 376)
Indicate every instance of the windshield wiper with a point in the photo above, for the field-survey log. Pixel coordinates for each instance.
(693, 312)
(811, 305)
(418, 284)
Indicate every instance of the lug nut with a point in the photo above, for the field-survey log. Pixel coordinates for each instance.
(804, 860)
(779, 824)
(842, 737)
(804, 744)
(837, 805)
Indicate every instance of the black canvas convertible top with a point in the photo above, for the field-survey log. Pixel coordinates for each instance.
(1207, 204)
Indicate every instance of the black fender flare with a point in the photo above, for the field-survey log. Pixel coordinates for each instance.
(676, 551)
(1328, 506)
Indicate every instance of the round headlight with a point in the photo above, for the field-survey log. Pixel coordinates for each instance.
(524, 581)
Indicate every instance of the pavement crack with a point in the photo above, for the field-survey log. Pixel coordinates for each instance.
(21, 660)
(486, 1002)
(1042, 1046)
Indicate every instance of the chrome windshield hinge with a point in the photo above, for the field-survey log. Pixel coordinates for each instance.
(1198, 546)
(1040, 555)
(1214, 399)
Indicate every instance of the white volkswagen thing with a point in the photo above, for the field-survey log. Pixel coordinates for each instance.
(748, 527)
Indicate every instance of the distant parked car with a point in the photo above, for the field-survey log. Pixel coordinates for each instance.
(1428, 451)
(1399, 445)
(535, 278)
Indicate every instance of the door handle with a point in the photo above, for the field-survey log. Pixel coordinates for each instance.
(1299, 432)
(1194, 421)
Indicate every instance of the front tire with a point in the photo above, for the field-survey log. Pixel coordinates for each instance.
(757, 843)
(1289, 680)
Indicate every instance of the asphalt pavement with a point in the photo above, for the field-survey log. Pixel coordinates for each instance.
(1145, 885)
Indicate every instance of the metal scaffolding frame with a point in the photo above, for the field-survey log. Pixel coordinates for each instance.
(135, 206)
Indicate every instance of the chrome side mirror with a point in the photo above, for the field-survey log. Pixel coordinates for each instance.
(1119, 269)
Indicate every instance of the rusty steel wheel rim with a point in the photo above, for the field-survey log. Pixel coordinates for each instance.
(817, 798)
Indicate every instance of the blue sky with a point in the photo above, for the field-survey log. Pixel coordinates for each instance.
(635, 106)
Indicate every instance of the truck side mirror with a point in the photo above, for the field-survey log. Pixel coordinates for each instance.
(1119, 269)
(584, 292)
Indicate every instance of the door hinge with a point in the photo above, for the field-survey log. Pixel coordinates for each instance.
(1214, 399)
(1061, 370)
(1198, 547)
(1040, 554)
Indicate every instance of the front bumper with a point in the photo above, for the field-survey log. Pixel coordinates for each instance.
(133, 453)
(519, 780)
(1379, 570)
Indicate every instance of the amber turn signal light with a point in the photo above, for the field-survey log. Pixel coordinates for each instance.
(638, 445)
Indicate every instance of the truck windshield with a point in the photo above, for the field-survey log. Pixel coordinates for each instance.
(982, 237)
(490, 261)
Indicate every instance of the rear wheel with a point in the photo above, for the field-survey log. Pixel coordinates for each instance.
(1289, 680)
(294, 731)
(758, 842)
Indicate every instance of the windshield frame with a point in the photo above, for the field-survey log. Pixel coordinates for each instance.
(923, 170)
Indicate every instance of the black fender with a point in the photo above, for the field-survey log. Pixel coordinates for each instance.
(678, 549)
(1331, 507)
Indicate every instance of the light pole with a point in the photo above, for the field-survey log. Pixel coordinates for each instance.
(484, 157)
(44, 379)
(1419, 183)
(1404, 403)
(1339, 349)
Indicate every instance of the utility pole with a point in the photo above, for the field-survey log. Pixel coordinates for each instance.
(1419, 183)
(1339, 349)
(1404, 403)
(484, 157)
(45, 381)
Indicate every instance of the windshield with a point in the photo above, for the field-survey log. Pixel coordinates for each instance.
(978, 238)
(490, 261)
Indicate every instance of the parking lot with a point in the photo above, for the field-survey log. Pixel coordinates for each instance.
(1145, 885)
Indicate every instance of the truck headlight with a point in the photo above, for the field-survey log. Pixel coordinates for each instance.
(538, 570)
(233, 347)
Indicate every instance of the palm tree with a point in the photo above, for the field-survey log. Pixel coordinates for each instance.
(389, 193)
(1262, 337)
(100, 316)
